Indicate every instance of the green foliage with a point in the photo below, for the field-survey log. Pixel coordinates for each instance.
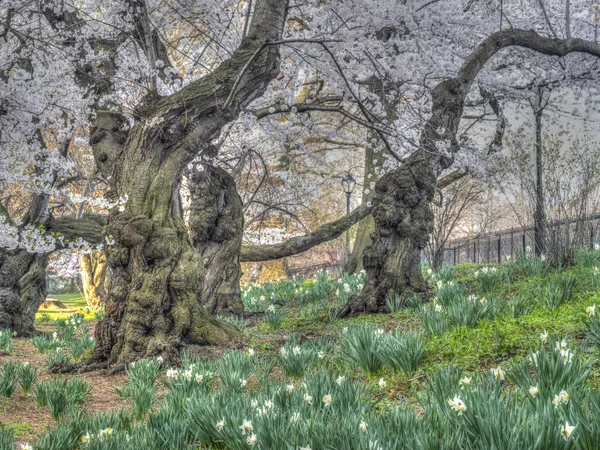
(234, 369)
(7, 438)
(6, 340)
(488, 279)
(551, 371)
(403, 351)
(395, 303)
(518, 306)
(594, 329)
(558, 291)
(448, 293)
(470, 311)
(28, 376)
(587, 257)
(274, 317)
(100, 313)
(295, 359)
(58, 356)
(361, 345)
(61, 394)
(44, 343)
(236, 321)
(433, 319)
(8, 379)
(81, 346)
(531, 266)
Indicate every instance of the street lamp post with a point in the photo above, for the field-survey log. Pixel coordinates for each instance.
(348, 184)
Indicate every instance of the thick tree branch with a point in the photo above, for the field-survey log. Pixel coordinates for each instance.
(90, 228)
(448, 97)
(300, 244)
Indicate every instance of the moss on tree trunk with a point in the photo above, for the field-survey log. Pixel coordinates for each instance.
(403, 221)
(216, 226)
(93, 271)
(22, 290)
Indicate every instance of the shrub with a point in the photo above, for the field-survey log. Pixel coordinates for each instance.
(361, 346)
(403, 351)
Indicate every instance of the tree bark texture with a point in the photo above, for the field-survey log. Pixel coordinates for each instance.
(373, 166)
(22, 290)
(217, 226)
(93, 271)
(299, 244)
(403, 221)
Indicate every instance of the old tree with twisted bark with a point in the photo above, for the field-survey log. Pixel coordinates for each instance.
(403, 217)
(153, 303)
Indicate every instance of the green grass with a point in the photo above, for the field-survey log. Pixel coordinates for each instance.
(74, 301)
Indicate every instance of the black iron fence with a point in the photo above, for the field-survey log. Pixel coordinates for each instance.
(333, 270)
(499, 246)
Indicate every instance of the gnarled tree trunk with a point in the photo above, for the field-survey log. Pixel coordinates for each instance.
(22, 290)
(93, 271)
(403, 221)
(404, 218)
(216, 226)
(154, 301)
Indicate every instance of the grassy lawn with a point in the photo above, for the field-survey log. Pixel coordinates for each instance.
(75, 302)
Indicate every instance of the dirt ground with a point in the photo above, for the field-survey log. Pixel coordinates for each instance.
(21, 412)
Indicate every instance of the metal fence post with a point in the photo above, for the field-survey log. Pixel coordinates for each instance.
(499, 249)
(512, 243)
